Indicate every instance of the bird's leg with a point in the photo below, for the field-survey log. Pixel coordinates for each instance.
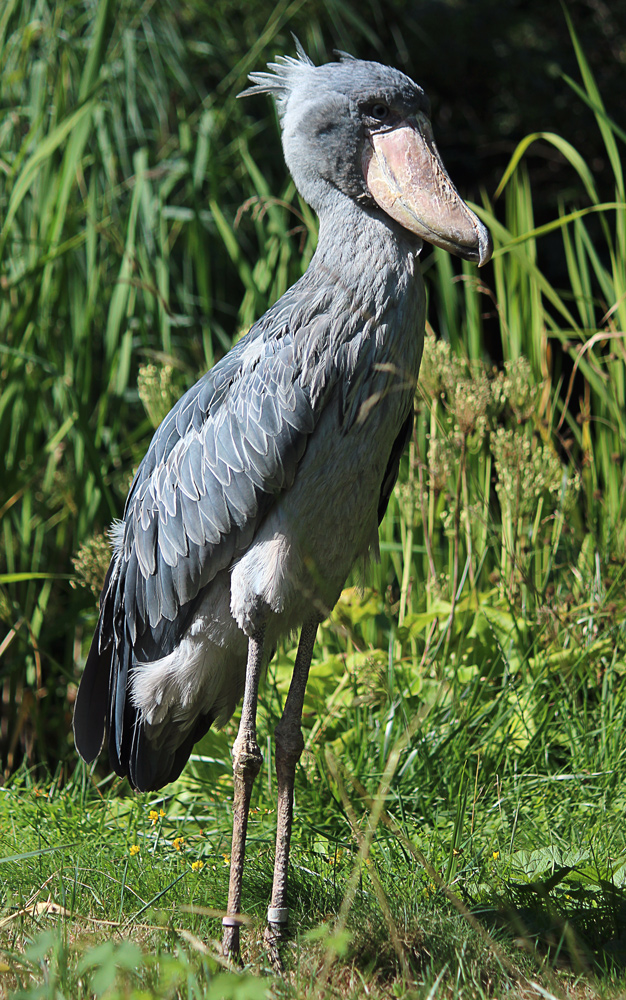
(289, 747)
(247, 762)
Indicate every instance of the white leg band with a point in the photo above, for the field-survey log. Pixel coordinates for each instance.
(277, 914)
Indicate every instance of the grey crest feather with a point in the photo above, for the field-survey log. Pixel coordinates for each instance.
(285, 73)
(300, 50)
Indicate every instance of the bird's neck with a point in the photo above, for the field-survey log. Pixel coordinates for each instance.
(359, 308)
(368, 255)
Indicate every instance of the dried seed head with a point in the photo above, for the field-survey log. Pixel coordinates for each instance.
(527, 470)
(91, 562)
(157, 391)
(519, 388)
(441, 461)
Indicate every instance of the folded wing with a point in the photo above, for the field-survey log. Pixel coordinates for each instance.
(214, 467)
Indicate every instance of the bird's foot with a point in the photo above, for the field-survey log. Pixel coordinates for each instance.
(276, 935)
(230, 941)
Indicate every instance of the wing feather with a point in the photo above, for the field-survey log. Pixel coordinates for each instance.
(192, 522)
(144, 541)
(236, 446)
(216, 464)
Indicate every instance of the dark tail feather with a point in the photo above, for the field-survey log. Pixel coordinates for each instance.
(104, 707)
(123, 716)
(150, 766)
(92, 703)
(94, 693)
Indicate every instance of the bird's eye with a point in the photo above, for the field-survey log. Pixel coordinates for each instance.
(379, 111)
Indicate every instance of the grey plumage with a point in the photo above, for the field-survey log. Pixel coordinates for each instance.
(268, 478)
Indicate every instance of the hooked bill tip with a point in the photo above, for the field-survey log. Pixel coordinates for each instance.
(485, 246)
(481, 251)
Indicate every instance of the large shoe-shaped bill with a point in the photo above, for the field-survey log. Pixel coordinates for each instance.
(406, 178)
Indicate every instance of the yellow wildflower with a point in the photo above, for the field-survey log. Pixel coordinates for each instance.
(134, 850)
(496, 855)
(197, 866)
(178, 843)
(226, 858)
(154, 815)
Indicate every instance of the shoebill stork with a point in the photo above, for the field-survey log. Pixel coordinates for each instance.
(268, 479)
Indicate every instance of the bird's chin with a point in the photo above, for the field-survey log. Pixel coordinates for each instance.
(406, 178)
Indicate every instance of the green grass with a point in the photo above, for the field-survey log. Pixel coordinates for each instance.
(518, 821)
(459, 819)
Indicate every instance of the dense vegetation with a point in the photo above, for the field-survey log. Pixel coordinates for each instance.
(460, 801)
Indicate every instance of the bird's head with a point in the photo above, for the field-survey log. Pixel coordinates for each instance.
(364, 128)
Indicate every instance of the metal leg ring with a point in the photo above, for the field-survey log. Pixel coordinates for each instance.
(277, 914)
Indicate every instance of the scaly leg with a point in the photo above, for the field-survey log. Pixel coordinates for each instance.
(289, 747)
(247, 762)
